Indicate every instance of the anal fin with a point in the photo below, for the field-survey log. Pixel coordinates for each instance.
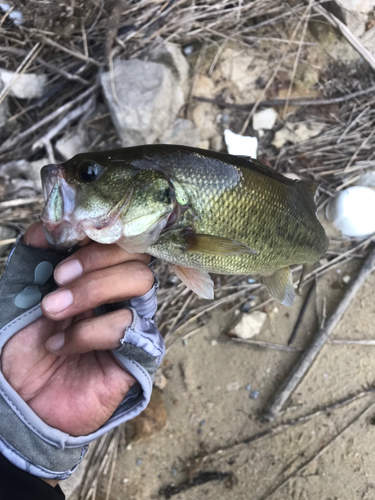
(280, 285)
(199, 282)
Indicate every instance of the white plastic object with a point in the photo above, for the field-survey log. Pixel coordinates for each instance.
(265, 119)
(240, 145)
(353, 211)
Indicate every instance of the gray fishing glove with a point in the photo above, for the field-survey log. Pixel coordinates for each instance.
(27, 441)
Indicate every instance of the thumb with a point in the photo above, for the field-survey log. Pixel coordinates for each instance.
(34, 236)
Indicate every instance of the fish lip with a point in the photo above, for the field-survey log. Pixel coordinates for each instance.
(60, 201)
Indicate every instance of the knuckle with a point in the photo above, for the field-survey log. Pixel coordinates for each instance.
(143, 276)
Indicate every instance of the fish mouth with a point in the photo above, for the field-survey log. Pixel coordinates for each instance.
(60, 201)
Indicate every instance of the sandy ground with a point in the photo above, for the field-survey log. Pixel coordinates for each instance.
(210, 415)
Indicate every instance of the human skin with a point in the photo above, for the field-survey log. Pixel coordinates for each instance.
(76, 387)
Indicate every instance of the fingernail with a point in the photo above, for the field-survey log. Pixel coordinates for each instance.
(56, 342)
(69, 271)
(56, 302)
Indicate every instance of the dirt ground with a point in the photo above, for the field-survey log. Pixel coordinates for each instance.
(213, 430)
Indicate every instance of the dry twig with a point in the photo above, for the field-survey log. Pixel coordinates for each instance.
(322, 336)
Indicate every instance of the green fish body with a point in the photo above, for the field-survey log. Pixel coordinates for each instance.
(201, 211)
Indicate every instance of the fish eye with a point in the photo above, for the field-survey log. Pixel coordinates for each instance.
(89, 171)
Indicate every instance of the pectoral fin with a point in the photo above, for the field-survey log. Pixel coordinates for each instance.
(215, 245)
(199, 282)
(280, 285)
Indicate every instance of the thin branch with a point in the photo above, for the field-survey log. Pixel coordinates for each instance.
(322, 336)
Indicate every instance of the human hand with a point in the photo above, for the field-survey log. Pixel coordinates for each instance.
(77, 387)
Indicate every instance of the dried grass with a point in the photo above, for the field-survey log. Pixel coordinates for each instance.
(73, 41)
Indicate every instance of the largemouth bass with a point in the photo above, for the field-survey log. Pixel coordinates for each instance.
(201, 211)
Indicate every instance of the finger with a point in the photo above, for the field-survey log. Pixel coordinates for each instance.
(113, 284)
(93, 257)
(34, 236)
(94, 334)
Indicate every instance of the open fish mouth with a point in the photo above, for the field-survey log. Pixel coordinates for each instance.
(60, 201)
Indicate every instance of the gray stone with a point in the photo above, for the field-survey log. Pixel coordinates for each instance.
(73, 143)
(171, 56)
(25, 85)
(143, 98)
(183, 132)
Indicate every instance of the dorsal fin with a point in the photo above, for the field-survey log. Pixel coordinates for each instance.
(308, 188)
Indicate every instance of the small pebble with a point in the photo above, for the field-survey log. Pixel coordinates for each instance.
(251, 280)
(213, 342)
(254, 394)
(184, 342)
(126, 480)
(129, 447)
(199, 431)
(174, 471)
(233, 386)
(139, 461)
(248, 387)
(346, 279)
(188, 49)
(253, 303)
(246, 307)
(338, 271)
(202, 422)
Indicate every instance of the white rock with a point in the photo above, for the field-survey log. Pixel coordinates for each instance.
(72, 143)
(160, 381)
(291, 175)
(240, 145)
(145, 101)
(296, 133)
(182, 132)
(361, 6)
(265, 119)
(250, 325)
(25, 85)
(352, 211)
(170, 55)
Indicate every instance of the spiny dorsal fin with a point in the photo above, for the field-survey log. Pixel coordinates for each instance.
(280, 285)
(309, 188)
